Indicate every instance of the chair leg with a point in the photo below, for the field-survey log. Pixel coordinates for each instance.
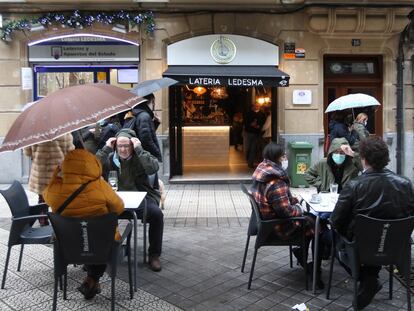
(252, 269)
(60, 283)
(131, 289)
(145, 242)
(305, 266)
(290, 256)
(245, 253)
(65, 285)
(55, 290)
(391, 268)
(333, 247)
(113, 291)
(20, 258)
(3, 282)
(408, 280)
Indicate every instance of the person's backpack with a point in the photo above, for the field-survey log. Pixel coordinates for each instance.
(326, 144)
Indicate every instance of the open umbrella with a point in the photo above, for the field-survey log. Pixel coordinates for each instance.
(65, 111)
(151, 86)
(352, 101)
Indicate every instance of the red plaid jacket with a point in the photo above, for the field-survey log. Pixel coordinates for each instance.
(271, 191)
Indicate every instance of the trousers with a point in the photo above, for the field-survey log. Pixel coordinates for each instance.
(155, 219)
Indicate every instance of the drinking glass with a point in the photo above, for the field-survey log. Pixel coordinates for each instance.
(333, 188)
(113, 180)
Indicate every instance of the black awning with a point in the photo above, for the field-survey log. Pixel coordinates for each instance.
(239, 76)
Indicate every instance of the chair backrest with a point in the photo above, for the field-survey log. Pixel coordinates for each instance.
(252, 230)
(382, 241)
(17, 200)
(84, 240)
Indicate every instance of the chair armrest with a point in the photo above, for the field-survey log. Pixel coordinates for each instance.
(127, 231)
(28, 218)
(41, 208)
(283, 220)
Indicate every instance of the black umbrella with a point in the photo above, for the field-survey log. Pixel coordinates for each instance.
(151, 86)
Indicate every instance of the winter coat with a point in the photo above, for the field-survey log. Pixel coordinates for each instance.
(144, 127)
(379, 194)
(340, 130)
(320, 174)
(271, 190)
(98, 198)
(361, 132)
(45, 157)
(132, 173)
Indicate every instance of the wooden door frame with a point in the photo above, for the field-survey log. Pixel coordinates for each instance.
(341, 83)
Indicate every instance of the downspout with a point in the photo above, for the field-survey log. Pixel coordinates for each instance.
(400, 97)
(399, 118)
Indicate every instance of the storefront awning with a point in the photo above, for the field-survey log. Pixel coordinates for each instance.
(238, 76)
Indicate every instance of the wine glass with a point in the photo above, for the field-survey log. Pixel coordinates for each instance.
(113, 180)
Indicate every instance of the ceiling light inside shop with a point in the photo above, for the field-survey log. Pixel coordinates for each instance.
(199, 90)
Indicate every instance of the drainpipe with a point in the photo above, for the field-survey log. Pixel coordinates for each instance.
(400, 94)
(400, 109)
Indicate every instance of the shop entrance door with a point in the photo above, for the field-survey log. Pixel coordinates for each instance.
(355, 74)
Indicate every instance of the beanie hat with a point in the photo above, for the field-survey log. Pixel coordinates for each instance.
(126, 133)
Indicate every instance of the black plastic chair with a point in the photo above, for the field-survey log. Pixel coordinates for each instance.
(265, 236)
(88, 241)
(23, 218)
(377, 242)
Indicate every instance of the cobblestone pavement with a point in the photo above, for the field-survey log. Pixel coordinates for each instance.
(204, 238)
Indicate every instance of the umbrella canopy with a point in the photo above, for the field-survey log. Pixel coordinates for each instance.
(352, 101)
(65, 111)
(151, 86)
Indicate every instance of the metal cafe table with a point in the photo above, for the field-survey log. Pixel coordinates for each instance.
(132, 200)
(325, 205)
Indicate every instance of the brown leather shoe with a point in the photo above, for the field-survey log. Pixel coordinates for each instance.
(155, 263)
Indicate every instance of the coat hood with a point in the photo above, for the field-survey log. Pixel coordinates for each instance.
(336, 144)
(80, 166)
(141, 108)
(267, 171)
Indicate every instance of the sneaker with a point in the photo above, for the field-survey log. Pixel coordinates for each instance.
(89, 288)
(154, 263)
(367, 292)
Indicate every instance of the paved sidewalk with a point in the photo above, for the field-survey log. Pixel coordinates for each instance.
(204, 238)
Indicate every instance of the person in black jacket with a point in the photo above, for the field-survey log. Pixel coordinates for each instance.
(338, 128)
(145, 123)
(377, 193)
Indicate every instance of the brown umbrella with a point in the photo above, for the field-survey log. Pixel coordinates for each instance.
(65, 111)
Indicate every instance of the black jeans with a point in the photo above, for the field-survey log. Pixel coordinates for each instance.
(155, 218)
(95, 271)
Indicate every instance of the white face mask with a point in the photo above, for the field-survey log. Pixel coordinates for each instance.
(285, 164)
(365, 123)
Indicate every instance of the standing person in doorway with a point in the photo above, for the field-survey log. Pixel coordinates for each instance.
(338, 127)
(45, 157)
(360, 127)
(253, 124)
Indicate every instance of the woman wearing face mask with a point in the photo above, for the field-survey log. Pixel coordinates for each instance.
(340, 166)
(271, 190)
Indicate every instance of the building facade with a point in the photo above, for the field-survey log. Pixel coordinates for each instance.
(326, 51)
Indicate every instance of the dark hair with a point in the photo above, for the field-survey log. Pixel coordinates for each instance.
(338, 116)
(375, 152)
(149, 97)
(273, 151)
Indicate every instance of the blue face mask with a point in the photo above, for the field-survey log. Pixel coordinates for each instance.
(338, 158)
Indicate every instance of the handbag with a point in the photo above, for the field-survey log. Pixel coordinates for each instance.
(71, 197)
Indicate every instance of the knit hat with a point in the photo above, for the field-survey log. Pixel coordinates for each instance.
(126, 133)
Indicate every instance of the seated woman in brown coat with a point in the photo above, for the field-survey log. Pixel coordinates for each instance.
(271, 190)
(98, 198)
